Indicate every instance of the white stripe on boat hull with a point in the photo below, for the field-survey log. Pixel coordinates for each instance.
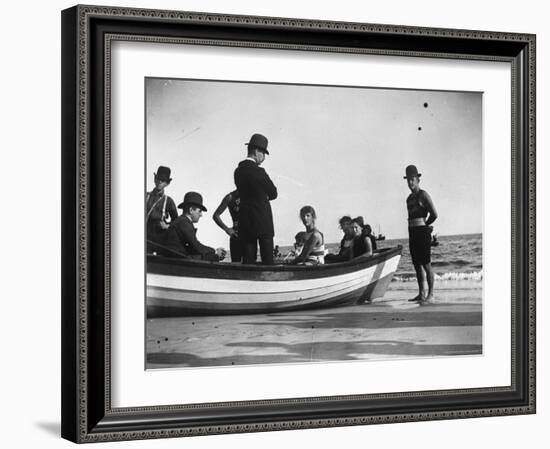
(168, 307)
(242, 286)
(219, 292)
(218, 298)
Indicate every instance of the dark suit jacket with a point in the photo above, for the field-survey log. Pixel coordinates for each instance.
(154, 208)
(181, 238)
(256, 190)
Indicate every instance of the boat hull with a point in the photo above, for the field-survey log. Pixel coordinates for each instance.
(183, 287)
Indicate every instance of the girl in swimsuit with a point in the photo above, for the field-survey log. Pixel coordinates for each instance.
(313, 252)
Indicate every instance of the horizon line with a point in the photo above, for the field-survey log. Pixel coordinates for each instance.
(401, 238)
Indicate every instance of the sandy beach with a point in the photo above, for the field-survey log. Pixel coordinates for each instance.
(390, 327)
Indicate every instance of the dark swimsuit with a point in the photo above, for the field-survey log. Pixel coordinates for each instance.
(345, 253)
(359, 245)
(235, 244)
(420, 237)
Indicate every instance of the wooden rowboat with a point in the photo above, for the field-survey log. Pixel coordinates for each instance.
(191, 287)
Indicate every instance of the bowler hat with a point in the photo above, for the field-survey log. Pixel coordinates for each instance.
(258, 141)
(163, 174)
(192, 199)
(411, 171)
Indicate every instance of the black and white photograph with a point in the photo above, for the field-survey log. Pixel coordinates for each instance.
(224, 197)
(301, 223)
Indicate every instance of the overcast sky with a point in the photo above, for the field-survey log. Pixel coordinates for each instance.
(342, 150)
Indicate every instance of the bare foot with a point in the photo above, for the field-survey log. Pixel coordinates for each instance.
(417, 298)
(426, 301)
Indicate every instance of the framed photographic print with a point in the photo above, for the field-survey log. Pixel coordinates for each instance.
(277, 224)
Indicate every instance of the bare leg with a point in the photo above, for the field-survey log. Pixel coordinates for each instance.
(420, 277)
(430, 277)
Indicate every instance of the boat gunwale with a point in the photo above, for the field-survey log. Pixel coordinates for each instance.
(358, 263)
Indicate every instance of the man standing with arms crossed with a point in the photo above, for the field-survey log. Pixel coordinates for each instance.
(256, 190)
(422, 214)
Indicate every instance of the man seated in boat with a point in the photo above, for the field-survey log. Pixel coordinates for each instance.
(361, 243)
(181, 239)
(313, 252)
(161, 209)
(346, 251)
(299, 240)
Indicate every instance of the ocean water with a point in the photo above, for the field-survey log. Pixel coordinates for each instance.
(456, 258)
(458, 267)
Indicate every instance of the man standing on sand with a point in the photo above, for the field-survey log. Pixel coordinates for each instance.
(256, 190)
(422, 214)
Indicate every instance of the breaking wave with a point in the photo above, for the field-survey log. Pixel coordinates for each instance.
(451, 276)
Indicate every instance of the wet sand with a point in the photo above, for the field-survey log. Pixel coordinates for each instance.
(390, 327)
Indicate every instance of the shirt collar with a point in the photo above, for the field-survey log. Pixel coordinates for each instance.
(189, 220)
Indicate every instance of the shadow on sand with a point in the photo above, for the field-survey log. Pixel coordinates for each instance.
(368, 320)
(319, 351)
(324, 335)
